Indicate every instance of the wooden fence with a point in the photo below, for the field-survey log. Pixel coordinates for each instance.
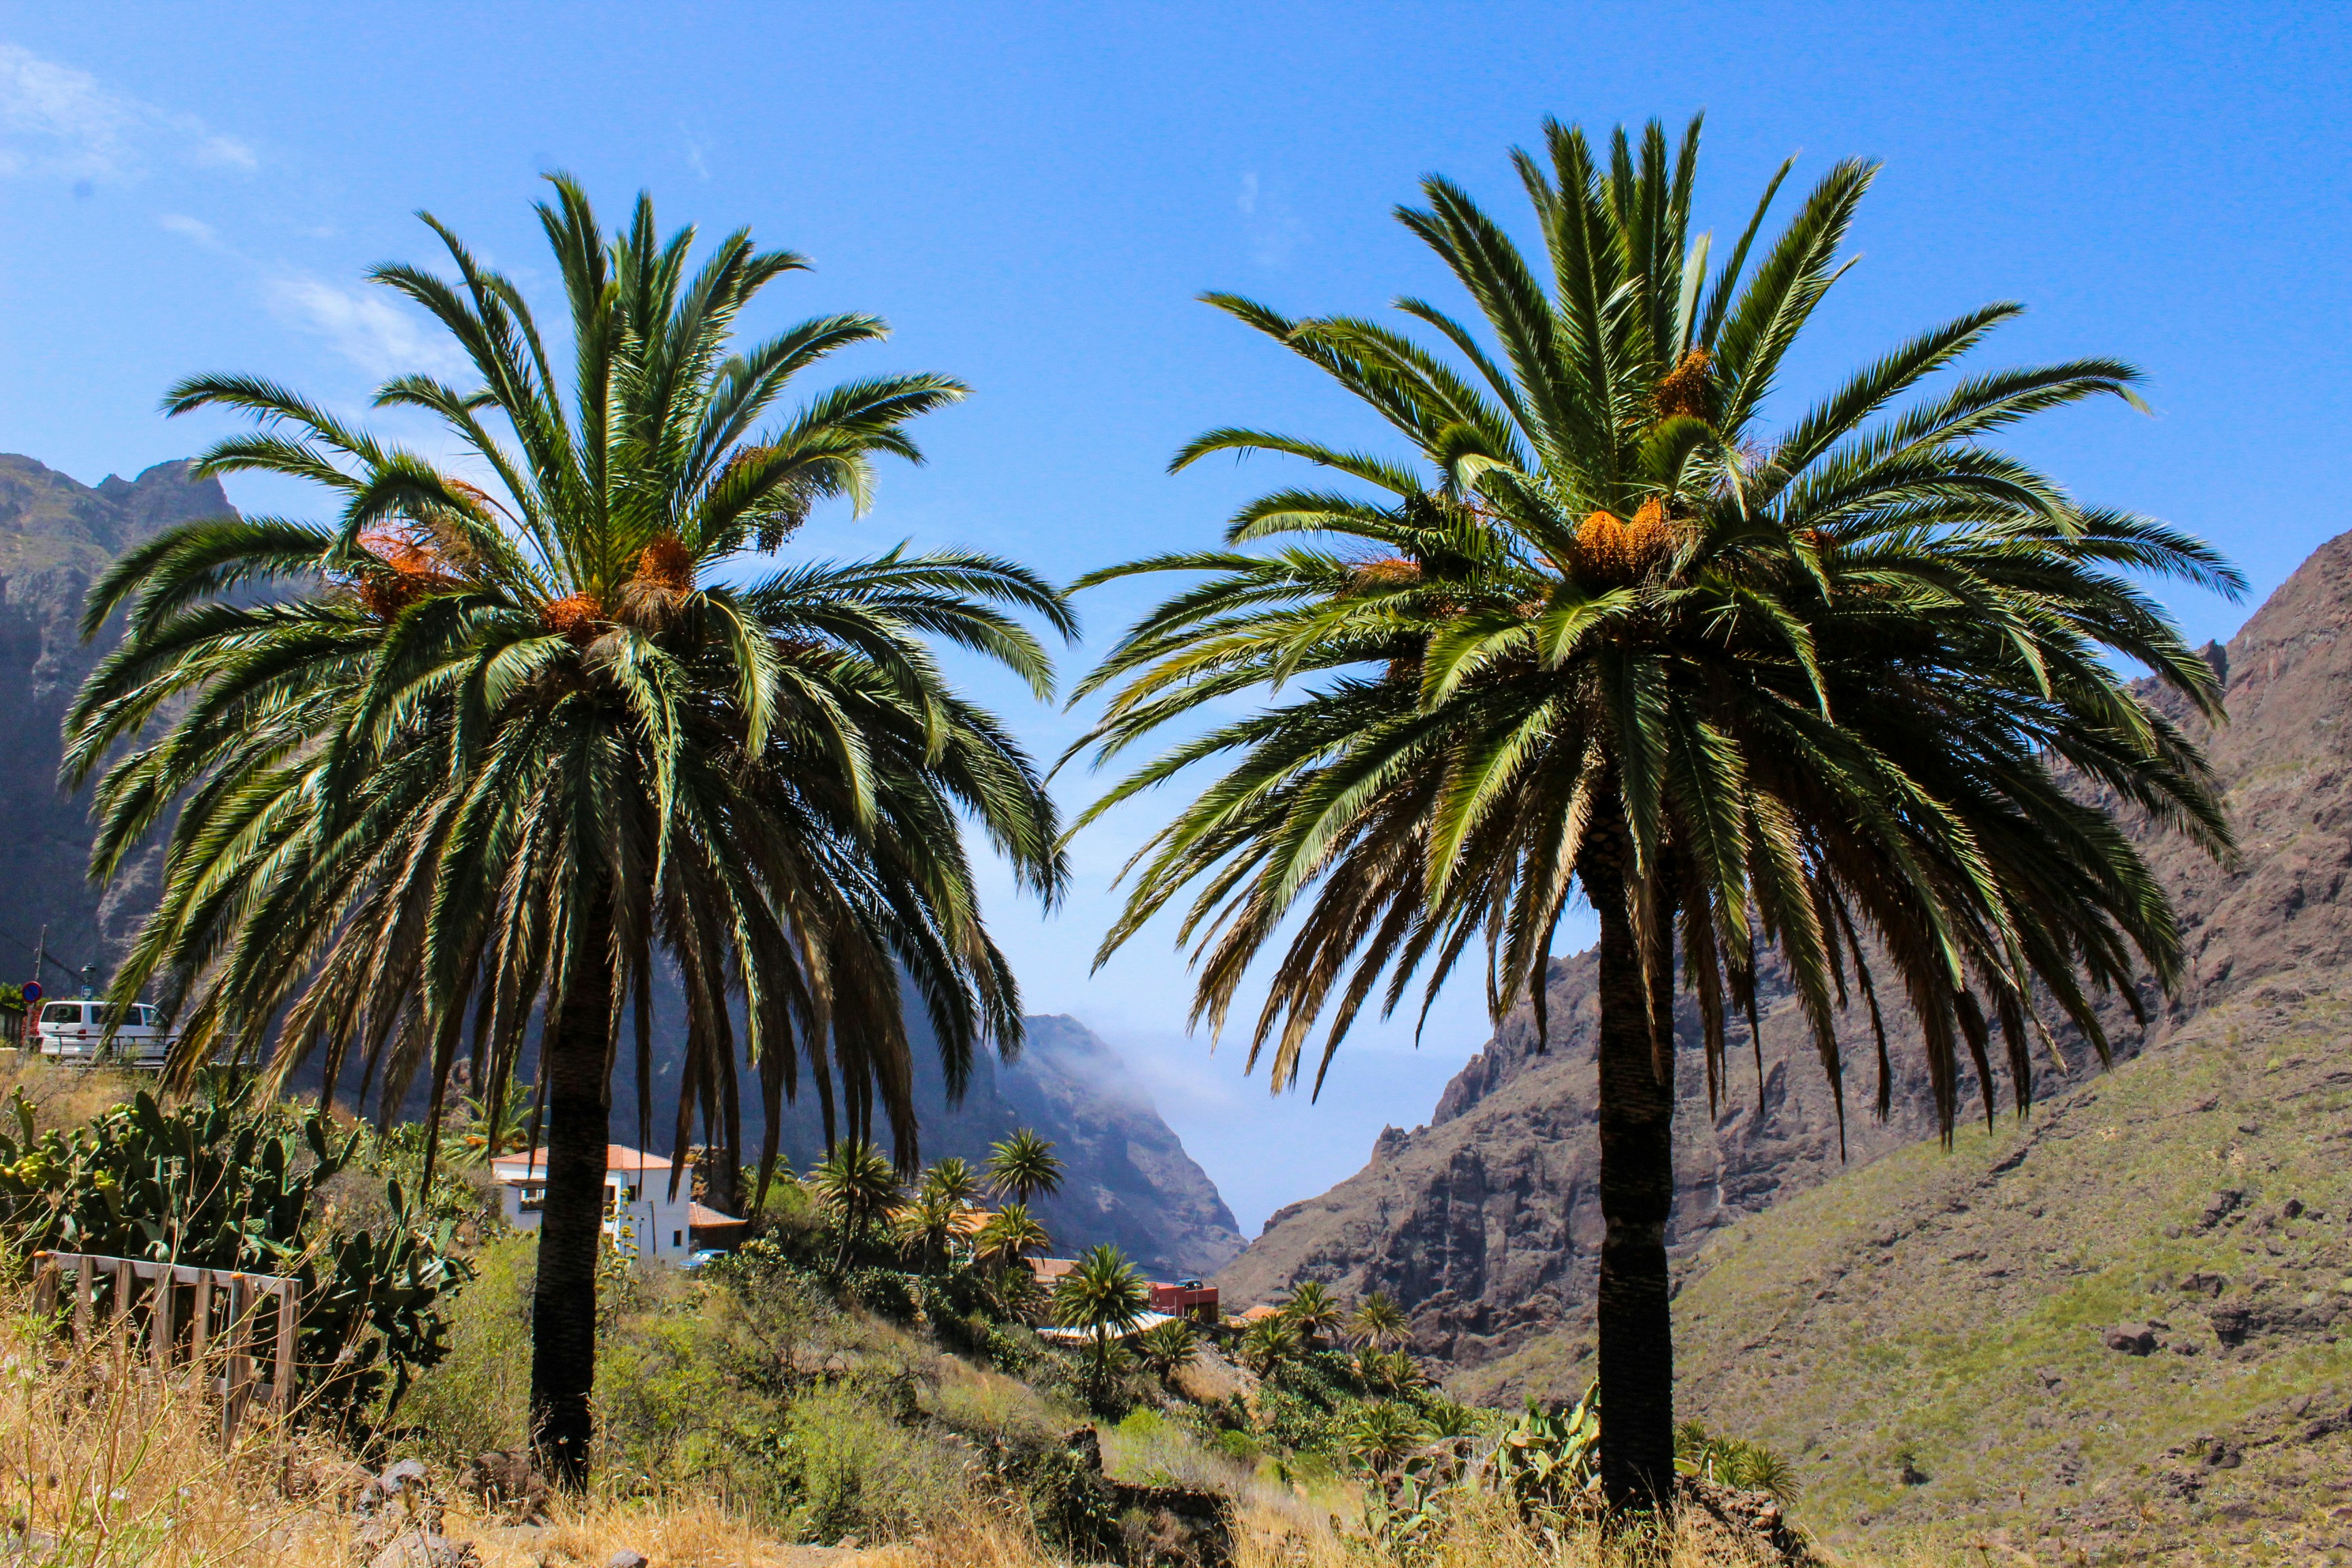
(220, 1323)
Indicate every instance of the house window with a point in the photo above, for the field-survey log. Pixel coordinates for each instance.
(677, 1238)
(531, 1199)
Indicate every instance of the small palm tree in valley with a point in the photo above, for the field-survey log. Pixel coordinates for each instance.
(1383, 1433)
(1314, 1312)
(856, 1187)
(1010, 1235)
(1602, 633)
(1105, 1296)
(1168, 1347)
(1024, 1166)
(1379, 1323)
(1268, 1342)
(510, 735)
(928, 1227)
(952, 1179)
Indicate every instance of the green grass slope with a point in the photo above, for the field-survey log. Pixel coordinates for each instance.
(1929, 1335)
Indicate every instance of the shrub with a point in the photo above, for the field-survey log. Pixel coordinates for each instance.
(855, 1470)
(479, 1396)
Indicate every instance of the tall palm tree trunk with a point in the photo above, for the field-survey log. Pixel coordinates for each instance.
(1637, 1192)
(573, 1054)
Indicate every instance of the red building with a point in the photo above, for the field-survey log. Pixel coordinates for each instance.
(1189, 1299)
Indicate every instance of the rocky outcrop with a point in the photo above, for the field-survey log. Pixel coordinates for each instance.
(55, 537)
(1484, 1224)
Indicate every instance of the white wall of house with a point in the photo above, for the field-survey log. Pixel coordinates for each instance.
(640, 1213)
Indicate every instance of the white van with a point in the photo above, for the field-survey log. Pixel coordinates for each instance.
(76, 1031)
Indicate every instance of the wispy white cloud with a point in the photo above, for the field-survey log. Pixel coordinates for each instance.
(59, 123)
(365, 326)
(1272, 230)
(194, 228)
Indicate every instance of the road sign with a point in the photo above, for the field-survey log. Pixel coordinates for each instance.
(33, 991)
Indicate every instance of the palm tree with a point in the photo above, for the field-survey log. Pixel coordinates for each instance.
(492, 1126)
(953, 1179)
(1382, 1433)
(506, 736)
(929, 1225)
(1165, 1347)
(1105, 1296)
(1011, 1234)
(1379, 1323)
(1314, 1312)
(1852, 687)
(1025, 1166)
(1268, 1342)
(855, 1185)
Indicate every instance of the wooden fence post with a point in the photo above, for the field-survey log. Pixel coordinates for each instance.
(123, 1287)
(46, 1274)
(289, 1295)
(160, 1336)
(240, 1361)
(200, 1321)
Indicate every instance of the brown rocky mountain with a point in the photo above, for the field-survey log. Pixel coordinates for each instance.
(1484, 1224)
(56, 536)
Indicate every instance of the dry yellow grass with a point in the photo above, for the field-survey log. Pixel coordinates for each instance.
(111, 1464)
(64, 1097)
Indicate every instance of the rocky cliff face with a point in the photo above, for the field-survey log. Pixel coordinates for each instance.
(55, 537)
(1486, 1224)
(1128, 1180)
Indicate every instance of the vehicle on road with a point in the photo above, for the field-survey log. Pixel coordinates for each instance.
(76, 1031)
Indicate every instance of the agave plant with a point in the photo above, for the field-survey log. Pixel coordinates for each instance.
(1549, 1458)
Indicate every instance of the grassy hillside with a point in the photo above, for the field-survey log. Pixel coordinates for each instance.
(1931, 1333)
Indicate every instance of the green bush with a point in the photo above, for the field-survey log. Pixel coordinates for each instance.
(479, 1396)
(855, 1471)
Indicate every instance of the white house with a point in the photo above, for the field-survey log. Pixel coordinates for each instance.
(637, 1195)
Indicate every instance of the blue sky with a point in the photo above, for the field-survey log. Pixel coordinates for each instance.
(1032, 194)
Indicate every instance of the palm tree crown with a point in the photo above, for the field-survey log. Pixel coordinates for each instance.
(1314, 1312)
(1843, 686)
(953, 1179)
(1379, 1323)
(1025, 1165)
